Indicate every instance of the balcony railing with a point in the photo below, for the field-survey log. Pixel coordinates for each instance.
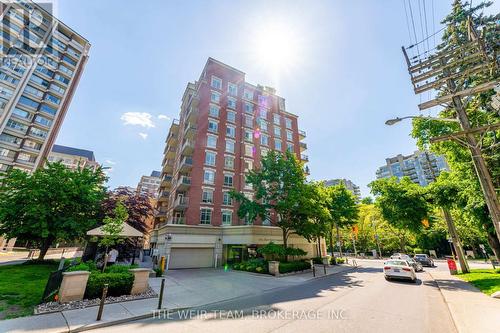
(179, 220)
(302, 134)
(167, 178)
(303, 146)
(181, 202)
(304, 158)
(187, 147)
(185, 180)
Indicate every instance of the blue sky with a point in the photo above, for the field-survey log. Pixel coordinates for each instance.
(347, 76)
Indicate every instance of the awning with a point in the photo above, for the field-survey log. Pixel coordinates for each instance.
(127, 231)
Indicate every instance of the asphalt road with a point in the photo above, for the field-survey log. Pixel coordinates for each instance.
(355, 301)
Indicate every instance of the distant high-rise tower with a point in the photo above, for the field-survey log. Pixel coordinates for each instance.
(421, 167)
(42, 60)
(73, 158)
(149, 184)
(348, 184)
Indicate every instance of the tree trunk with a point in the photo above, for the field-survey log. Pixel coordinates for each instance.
(456, 241)
(402, 243)
(494, 243)
(338, 238)
(330, 241)
(285, 242)
(44, 247)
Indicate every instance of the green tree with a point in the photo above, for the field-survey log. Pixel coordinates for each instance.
(279, 187)
(112, 226)
(343, 211)
(402, 204)
(51, 204)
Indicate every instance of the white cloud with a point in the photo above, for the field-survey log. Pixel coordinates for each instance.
(162, 116)
(110, 162)
(143, 119)
(143, 135)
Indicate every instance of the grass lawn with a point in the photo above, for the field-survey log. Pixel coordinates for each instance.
(486, 280)
(21, 288)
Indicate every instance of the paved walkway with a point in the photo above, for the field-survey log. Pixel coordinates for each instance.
(18, 257)
(183, 289)
(472, 311)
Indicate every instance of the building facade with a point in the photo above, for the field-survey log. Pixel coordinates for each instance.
(73, 158)
(226, 125)
(42, 60)
(421, 167)
(150, 184)
(348, 184)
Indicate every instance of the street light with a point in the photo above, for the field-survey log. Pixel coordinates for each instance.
(398, 119)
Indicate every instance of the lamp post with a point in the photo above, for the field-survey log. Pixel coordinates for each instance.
(452, 230)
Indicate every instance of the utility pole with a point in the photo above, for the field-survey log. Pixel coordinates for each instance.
(440, 72)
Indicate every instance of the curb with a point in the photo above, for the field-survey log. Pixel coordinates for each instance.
(150, 314)
(452, 315)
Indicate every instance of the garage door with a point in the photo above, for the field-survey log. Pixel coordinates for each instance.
(191, 258)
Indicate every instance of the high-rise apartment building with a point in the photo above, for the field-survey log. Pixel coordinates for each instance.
(149, 184)
(226, 125)
(73, 158)
(421, 167)
(41, 62)
(348, 184)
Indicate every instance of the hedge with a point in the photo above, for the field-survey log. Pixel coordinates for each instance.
(293, 266)
(253, 265)
(118, 284)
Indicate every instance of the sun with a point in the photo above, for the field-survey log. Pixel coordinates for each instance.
(276, 46)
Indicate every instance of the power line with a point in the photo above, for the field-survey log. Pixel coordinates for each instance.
(426, 30)
(413, 24)
(407, 22)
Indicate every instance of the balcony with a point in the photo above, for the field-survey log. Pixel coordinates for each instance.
(303, 146)
(302, 134)
(191, 115)
(307, 171)
(162, 210)
(178, 220)
(304, 157)
(166, 181)
(186, 164)
(187, 148)
(181, 203)
(183, 183)
(174, 128)
(168, 166)
(170, 151)
(190, 131)
(163, 196)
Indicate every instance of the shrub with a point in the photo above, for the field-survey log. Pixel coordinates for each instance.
(340, 260)
(272, 250)
(119, 268)
(159, 272)
(317, 260)
(292, 251)
(118, 284)
(293, 266)
(84, 266)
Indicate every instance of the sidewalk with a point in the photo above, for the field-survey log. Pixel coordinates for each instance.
(471, 310)
(183, 289)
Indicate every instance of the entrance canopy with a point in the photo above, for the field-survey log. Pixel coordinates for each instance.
(127, 231)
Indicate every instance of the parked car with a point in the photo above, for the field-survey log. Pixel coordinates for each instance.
(424, 259)
(399, 269)
(415, 264)
(401, 256)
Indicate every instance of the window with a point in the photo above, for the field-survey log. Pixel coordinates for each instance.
(17, 126)
(264, 139)
(281, 103)
(277, 144)
(263, 113)
(43, 121)
(288, 123)
(231, 116)
(277, 131)
(227, 217)
(38, 132)
(216, 83)
(248, 107)
(53, 99)
(69, 60)
(248, 121)
(248, 165)
(211, 141)
(215, 97)
(28, 102)
(289, 135)
(213, 126)
(10, 139)
(228, 180)
(32, 145)
(33, 91)
(56, 88)
(4, 152)
(205, 216)
(276, 119)
(231, 103)
(289, 146)
(263, 125)
(248, 95)
(210, 158)
(21, 113)
(232, 89)
(227, 199)
(213, 111)
(248, 150)
(230, 146)
(44, 71)
(248, 135)
(209, 176)
(47, 109)
(231, 131)
(207, 196)
(229, 162)
(61, 78)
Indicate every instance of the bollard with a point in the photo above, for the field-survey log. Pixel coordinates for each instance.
(61, 263)
(101, 304)
(160, 299)
(324, 269)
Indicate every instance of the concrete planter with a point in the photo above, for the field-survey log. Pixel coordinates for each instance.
(326, 260)
(141, 280)
(274, 268)
(73, 286)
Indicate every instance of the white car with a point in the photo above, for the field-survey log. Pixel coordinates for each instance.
(399, 269)
(401, 256)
